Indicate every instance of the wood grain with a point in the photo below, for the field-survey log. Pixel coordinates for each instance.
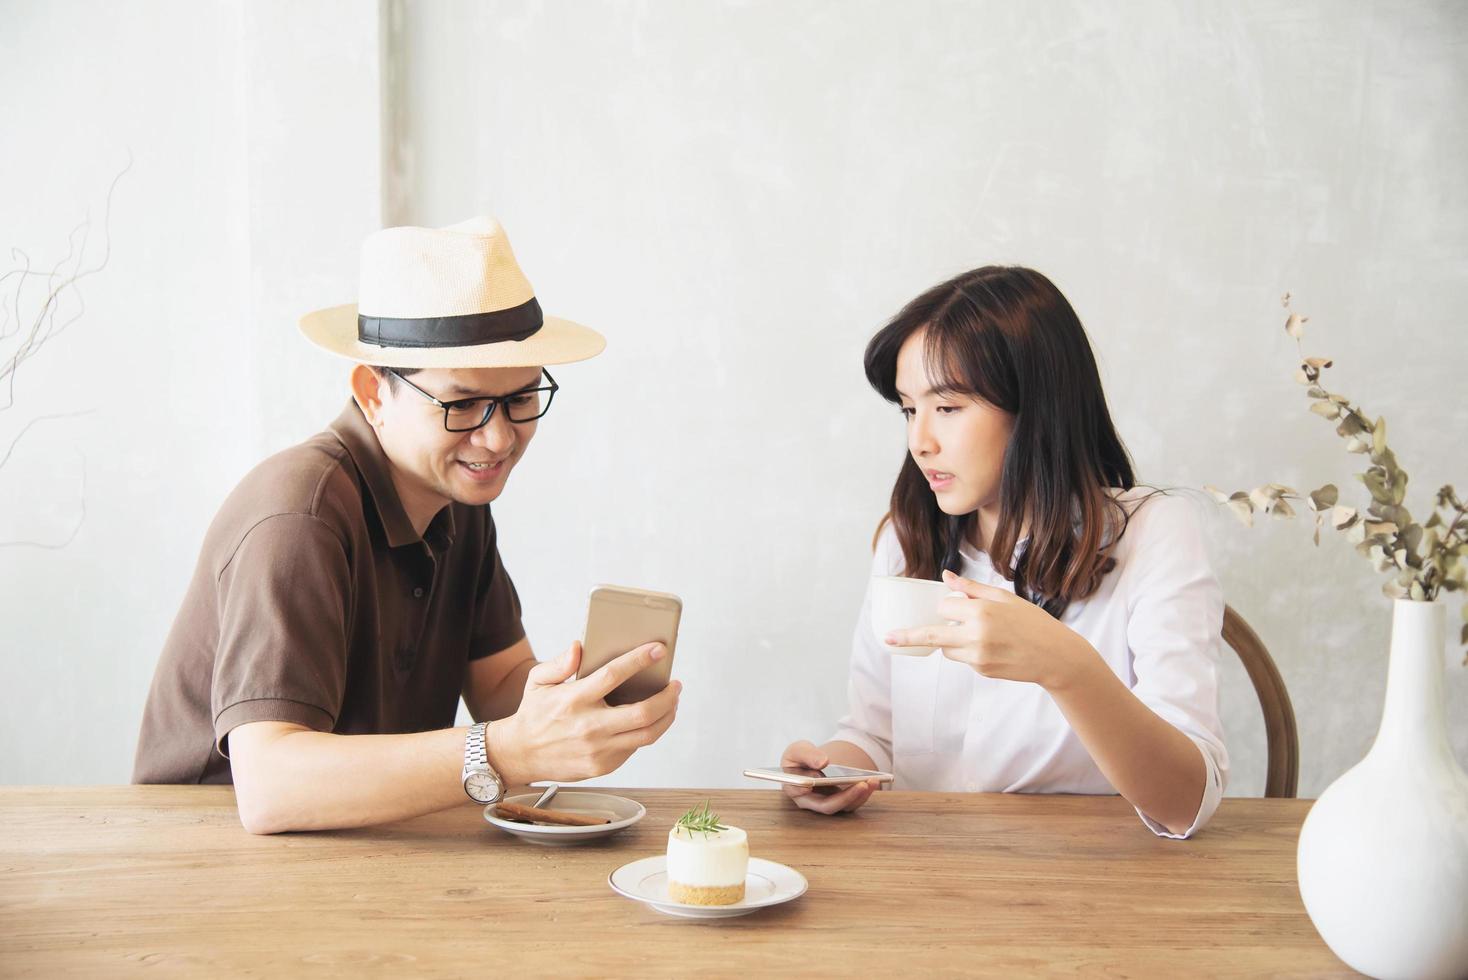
(113, 881)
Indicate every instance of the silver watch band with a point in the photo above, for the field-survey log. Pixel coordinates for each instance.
(476, 764)
(475, 756)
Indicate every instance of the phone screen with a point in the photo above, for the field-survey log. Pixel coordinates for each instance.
(828, 772)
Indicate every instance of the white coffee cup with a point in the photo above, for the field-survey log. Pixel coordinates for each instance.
(904, 603)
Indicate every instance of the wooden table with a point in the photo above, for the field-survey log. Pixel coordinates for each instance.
(114, 881)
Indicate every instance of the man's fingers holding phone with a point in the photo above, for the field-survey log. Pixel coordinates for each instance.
(636, 738)
(644, 713)
(606, 680)
(551, 672)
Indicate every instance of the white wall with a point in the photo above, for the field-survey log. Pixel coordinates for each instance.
(254, 136)
(738, 195)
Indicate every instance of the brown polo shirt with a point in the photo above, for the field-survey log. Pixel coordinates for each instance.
(314, 602)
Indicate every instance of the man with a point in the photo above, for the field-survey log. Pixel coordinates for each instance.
(350, 589)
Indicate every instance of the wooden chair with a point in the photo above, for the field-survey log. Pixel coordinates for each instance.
(1281, 735)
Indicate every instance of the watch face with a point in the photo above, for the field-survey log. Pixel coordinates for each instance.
(483, 787)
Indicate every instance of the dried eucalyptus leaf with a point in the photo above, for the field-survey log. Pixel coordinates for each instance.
(1350, 425)
(1318, 362)
(1282, 508)
(1357, 533)
(1318, 522)
(1435, 520)
(1263, 498)
(1238, 495)
(1355, 444)
(1294, 326)
(1281, 488)
(1327, 410)
(1416, 592)
(1216, 494)
(1340, 399)
(1411, 536)
(1374, 528)
(1399, 488)
(1344, 517)
(1386, 459)
(1378, 436)
(1304, 377)
(1376, 483)
(1325, 497)
(1243, 511)
(1317, 392)
(1463, 639)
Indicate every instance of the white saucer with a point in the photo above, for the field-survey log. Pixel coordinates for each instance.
(621, 811)
(767, 883)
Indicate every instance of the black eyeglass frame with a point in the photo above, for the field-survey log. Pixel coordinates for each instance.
(491, 401)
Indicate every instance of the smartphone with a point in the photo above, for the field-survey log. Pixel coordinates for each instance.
(619, 619)
(829, 776)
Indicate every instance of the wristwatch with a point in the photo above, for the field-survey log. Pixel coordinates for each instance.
(481, 782)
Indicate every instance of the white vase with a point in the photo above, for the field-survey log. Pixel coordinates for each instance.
(1383, 858)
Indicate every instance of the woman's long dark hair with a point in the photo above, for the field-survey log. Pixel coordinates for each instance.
(1007, 335)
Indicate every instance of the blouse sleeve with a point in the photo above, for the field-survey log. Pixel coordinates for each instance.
(1174, 624)
(868, 720)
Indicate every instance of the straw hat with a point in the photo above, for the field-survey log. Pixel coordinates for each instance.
(447, 298)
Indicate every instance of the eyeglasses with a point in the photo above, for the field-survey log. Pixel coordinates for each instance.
(468, 414)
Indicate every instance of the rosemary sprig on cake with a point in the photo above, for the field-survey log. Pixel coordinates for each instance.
(700, 821)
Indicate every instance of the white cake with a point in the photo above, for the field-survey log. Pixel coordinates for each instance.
(707, 868)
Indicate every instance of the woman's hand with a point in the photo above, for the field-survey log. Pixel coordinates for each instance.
(1001, 635)
(819, 799)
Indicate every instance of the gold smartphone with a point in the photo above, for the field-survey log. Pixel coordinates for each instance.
(619, 619)
(829, 776)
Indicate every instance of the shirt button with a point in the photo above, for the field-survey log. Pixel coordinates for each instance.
(418, 592)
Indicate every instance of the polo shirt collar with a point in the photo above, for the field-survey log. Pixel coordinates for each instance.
(356, 434)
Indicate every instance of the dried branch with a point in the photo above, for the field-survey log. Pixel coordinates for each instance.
(61, 288)
(61, 283)
(1423, 562)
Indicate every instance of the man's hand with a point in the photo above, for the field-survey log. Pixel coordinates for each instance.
(565, 730)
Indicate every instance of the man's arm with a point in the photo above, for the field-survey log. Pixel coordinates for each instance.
(494, 684)
(373, 778)
(289, 777)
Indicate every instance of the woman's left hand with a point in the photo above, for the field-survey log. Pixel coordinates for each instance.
(1001, 635)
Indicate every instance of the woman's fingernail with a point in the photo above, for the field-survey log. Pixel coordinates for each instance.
(890, 639)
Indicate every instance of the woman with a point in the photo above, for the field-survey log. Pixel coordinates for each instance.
(1082, 657)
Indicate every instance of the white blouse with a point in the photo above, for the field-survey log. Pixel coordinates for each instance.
(937, 724)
